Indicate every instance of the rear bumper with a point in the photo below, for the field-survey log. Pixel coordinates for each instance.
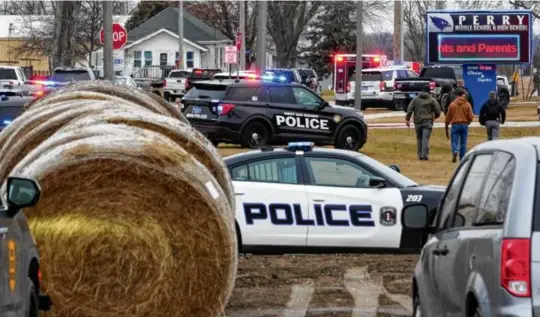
(174, 92)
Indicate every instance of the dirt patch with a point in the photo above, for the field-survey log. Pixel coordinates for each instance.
(259, 298)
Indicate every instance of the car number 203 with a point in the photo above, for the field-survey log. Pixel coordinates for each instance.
(413, 198)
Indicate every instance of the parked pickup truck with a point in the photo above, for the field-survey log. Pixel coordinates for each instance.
(442, 79)
(175, 84)
(200, 74)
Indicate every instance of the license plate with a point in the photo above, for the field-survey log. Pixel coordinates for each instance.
(412, 95)
(365, 87)
(7, 86)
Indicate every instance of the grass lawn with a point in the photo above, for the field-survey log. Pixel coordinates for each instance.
(513, 113)
(398, 146)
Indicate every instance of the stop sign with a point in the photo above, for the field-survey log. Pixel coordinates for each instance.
(119, 36)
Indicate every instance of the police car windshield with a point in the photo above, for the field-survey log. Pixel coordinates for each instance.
(398, 178)
(206, 91)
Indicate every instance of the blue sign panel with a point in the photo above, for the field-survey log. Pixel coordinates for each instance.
(480, 80)
(485, 37)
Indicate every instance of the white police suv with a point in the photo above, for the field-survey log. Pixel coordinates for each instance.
(318, 200)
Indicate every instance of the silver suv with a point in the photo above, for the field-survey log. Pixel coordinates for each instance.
(482, 257)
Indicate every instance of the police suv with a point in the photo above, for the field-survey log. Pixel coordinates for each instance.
(305, 199)
(255, 113)
(19, 259)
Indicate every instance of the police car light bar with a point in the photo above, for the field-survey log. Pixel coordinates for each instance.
(300, 146)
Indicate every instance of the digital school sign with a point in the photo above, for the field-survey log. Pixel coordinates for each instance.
(477, 37)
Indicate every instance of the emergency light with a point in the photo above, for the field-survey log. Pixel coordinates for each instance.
(6, 122)
(300, 146)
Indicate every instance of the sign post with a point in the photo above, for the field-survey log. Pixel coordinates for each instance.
(479, 40)
(231, 57)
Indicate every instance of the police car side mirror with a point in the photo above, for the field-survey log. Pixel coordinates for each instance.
(22, 193)
(324, 104)
(415, 217)
(377, 182)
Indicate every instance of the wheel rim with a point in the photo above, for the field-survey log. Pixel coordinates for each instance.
(255, 137)
(350, 141)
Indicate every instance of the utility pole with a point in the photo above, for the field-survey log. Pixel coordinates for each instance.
(242, 35)
(359, 50)
(108, 69)
(398, 32)
(181, 34)
(261, 35)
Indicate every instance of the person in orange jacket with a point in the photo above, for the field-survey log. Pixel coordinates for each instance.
(459, 115)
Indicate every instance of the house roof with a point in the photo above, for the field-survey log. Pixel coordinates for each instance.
(195, 30)
(142, 39)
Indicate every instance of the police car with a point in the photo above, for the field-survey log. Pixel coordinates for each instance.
(20, 275)
(258, 113)
(305, 199)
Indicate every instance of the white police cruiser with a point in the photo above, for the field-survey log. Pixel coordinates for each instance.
(318, 200)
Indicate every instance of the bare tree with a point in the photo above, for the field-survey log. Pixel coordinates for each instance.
(286, 22)
(414, 20)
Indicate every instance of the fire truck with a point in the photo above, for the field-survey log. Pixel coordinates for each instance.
(345, 66)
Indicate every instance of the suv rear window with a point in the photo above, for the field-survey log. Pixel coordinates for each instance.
(70, 75)
(206, 91)
(244, 94)
(7, 73)
(176, 74)
(438, 72)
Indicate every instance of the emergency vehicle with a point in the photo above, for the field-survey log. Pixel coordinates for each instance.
(319, 200)
(255, 113)
(345, 67)
(20, 275)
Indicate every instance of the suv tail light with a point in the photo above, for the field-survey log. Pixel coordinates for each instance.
(516, 266)
(432, 85)
(164, 83)
(382, 86)
(224, 109)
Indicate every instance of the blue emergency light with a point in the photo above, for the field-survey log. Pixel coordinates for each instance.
(271, 77)
(7, 122)
(300, 146)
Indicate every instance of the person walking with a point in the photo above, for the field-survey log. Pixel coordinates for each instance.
(425, 110)
(492, 115)
(459, 115)
(536, 82)
(460, 86)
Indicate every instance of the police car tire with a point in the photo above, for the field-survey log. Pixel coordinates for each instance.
(33, 301)
(252, 127)
(417, 311)
(344, 132)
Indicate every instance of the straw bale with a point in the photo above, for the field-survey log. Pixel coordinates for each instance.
(129, 224)
(184, 135)
(85, 90)
(34, 126)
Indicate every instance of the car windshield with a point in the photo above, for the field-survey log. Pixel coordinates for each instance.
(63, 76)
(206, 91)
(178, 74)
(120, 81)
(400, 179)
(7, 73)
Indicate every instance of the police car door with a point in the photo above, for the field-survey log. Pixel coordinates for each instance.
(8, 297)
(348, 212)
(271, 202)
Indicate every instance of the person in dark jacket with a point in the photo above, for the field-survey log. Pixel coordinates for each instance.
(425, 109)
(492, 115)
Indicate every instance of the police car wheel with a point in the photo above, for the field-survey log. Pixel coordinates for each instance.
(33, 301)
(417, 311)
(349, 138)
(255, 135)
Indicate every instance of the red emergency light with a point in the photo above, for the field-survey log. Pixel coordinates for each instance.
(339, 58)
(376, 59)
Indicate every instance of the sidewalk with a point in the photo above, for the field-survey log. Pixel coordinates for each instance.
(509, 124)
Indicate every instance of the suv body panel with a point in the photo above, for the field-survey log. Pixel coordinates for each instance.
(473, 261)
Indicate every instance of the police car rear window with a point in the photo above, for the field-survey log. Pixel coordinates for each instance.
(207, 91)
(278, 170)
(177, 74)
(244, 94)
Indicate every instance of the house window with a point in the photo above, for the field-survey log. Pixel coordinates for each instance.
(147, 58)
(190, 59)
(163, 59)
(137, 59)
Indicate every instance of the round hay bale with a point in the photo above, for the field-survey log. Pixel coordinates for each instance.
(184, 135)
(143, 98)
(130, 225)
(33, 127)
